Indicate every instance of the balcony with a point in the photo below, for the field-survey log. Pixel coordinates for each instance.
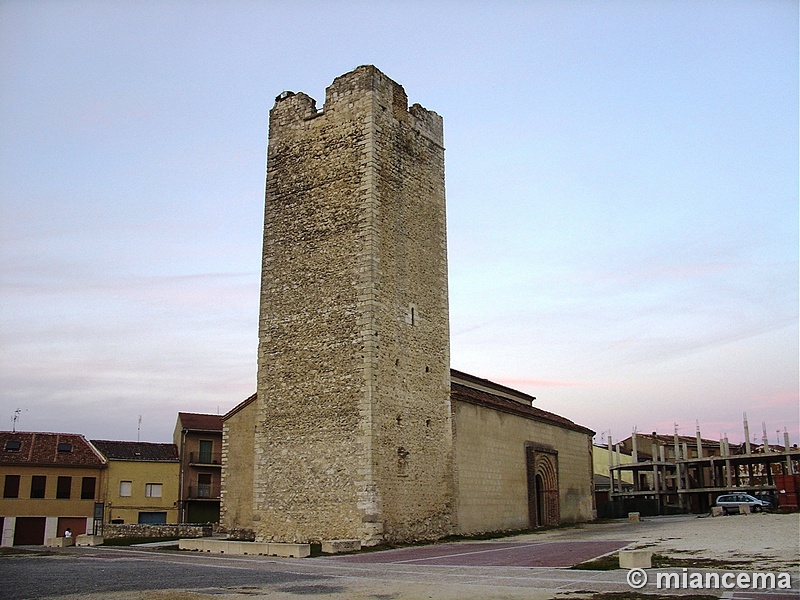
(206, 459)
(203, 492)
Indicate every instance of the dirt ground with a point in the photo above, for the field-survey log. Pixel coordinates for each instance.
(765, 542)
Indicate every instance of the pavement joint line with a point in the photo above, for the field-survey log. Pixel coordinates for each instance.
(515, 547)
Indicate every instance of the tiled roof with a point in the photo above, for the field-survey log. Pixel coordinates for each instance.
(56, 449)
(140, 451)
(501, 401)
(244, 403)
(482, 398)
(200, 422)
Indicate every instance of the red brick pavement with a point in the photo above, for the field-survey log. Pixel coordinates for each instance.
(491, 554)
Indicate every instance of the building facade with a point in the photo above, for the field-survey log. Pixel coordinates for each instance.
(198, 438)
(51, 482)
(141, 482)
(516, 466)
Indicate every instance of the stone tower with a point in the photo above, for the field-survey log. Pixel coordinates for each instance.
(353, 434)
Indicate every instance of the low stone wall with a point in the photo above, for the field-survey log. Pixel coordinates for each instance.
(241, 535)
(133, 530)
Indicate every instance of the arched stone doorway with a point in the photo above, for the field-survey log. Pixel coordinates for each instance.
(543, 501)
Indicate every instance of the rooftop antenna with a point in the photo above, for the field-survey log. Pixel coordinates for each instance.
(139, 428)
(15, 419)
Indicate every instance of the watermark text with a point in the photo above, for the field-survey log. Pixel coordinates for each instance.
(695, 580)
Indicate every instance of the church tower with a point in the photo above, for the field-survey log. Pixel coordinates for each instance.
(353, 438)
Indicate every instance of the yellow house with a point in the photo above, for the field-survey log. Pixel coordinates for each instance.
(51, 482)
(141, 484)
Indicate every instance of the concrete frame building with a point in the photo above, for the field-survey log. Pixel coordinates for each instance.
(673, 474)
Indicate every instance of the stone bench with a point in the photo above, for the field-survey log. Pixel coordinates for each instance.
(245, 548)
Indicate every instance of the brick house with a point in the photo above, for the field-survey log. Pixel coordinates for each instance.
(198, 438)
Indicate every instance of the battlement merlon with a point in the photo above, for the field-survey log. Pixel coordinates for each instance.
(366, 78)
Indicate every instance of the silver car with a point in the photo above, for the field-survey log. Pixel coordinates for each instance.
(730, 503)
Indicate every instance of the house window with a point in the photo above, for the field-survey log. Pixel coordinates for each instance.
(64, 447)
(87, 488)
(63, 488)
(204, 485)
(13, 445)
(152, 490)
(38, 483)
(206, 447)
(124, 489)
(11, 488)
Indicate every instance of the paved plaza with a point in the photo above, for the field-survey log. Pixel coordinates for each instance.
(530, 566)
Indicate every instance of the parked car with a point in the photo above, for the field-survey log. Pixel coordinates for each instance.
(770, 498)
(730, 503)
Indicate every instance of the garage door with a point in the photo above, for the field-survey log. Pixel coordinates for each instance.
(29, 531)
(76, 524)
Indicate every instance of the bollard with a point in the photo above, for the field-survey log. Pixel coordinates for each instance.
(635, 559)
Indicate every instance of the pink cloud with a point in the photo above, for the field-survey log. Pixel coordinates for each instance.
(533, 383)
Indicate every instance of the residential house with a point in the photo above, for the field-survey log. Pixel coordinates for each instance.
(141, 483)
(51, 482)
(198, 438)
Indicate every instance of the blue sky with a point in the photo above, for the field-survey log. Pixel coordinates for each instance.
(622, 186)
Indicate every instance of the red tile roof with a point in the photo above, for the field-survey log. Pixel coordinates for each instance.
(200, 422)
(137, 451)
(465, 393)
(240, 406)
(51, 449)
(501, 400)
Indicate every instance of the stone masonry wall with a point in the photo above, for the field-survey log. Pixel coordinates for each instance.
(491, 473)
(134, 530)
(353, 435)
(236, 497)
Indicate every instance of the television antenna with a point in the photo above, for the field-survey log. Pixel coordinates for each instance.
(15, 419)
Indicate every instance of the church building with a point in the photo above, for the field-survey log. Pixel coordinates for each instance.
(359, 429)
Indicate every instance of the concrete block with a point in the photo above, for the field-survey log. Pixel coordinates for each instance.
(213, 546)
(87, 539)
(59, 542)
(635, 559)
(633, 517)
(289, 550)
(337, 546)
(190, 544)
(744, 509)
(717, 511)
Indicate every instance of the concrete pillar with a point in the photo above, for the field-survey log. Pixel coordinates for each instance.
(789, 466)
(634, 450)
(699, 444)
(746, 434)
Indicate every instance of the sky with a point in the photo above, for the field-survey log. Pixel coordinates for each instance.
(622, 201)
